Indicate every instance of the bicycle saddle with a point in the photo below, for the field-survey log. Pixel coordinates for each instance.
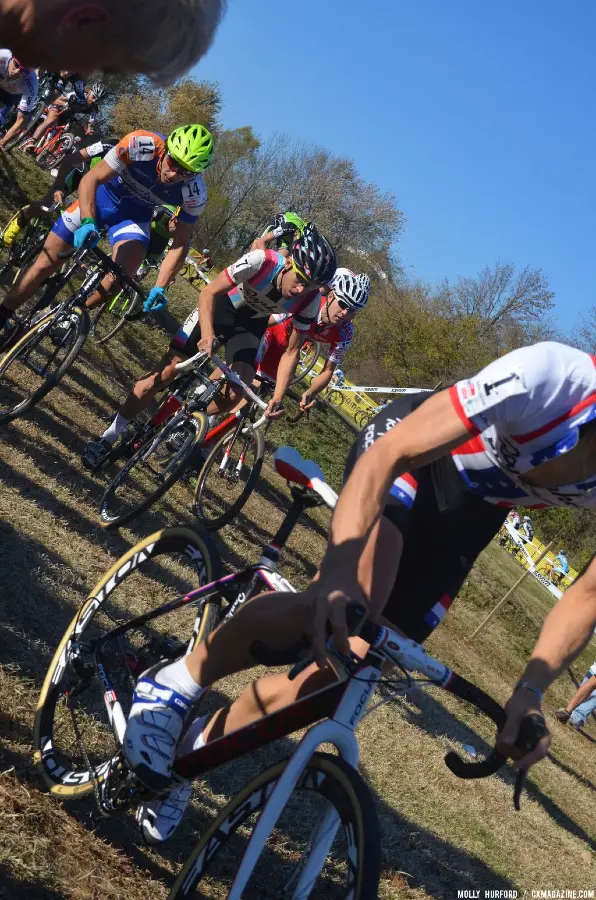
(289, 464)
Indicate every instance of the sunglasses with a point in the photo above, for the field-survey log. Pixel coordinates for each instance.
(19, 66)
(180, 169)
(301, 275)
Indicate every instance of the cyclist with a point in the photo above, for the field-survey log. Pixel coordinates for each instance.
(437, 472)
(527, 529)
(289, 224)
(162, 38)
(18, 87)
(78, 105)
(120, 193)
(235, 306)
(333, 326)
(67, 180)
(560, 567)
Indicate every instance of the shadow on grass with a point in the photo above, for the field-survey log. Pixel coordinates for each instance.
(13, 888)
(436, 866)
(425, 711)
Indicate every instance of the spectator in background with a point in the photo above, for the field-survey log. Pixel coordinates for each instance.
(583, 702)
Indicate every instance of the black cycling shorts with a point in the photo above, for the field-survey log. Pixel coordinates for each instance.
(239, 332)
(444, 528)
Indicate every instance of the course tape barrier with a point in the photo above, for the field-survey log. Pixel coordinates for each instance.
(530, 551)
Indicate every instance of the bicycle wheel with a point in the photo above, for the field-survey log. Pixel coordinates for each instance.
(336, 398)
(32, 121)
(309, 354)
(37, 362)
(152, 470)
(228, 477)
(111, 316)
(162, 567)
(351, 870)
(53, 156)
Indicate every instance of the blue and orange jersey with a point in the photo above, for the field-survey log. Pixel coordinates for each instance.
(136, 160)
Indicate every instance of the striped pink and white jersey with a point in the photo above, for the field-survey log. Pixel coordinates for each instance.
(524, 409)
(253, 284)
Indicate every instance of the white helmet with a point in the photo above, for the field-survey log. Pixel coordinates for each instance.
(350, 288)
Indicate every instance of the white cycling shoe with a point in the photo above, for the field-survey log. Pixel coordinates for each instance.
(159, 819)
(154, 727)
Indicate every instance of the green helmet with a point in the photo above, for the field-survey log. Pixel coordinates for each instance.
(192, 147)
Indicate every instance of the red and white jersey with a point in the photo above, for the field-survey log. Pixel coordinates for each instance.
(524, 409)
(25, 83)
(277, 338)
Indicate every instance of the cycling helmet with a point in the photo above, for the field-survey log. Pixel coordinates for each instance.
(526, 518)
(206, 251)
(192, 147)
(562, 553)
(313, 256)
(98, 89)
(351, 290)
(364, 281)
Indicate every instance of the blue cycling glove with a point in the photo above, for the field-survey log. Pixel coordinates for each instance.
(156, 300)
(86, 235)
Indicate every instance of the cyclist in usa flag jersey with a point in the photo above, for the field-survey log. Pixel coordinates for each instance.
(428, 484)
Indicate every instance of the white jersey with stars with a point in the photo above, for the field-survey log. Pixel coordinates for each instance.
(524, 409)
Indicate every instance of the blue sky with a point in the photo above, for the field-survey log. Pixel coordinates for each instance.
(478, 115)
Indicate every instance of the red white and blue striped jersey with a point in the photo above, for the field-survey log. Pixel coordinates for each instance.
(253, 280)
(523, 410)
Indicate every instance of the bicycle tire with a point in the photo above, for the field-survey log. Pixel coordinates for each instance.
(108, 520)
(26, 344)
(303, 370)
(105, 311)
(325, 775)
(29, 127)
(215, 522)
(336, 398)
(199, 556)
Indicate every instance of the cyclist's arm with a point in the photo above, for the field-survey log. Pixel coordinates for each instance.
(320, 382)
(14, 129)
(217, 288)
(426, 434)
(287, 365)
(70, 162)
(99, 174)
(176, 255)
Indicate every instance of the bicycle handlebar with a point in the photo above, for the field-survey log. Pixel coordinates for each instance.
(407, 654)
(108, 263)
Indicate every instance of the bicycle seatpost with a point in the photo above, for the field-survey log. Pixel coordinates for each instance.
(301, 500)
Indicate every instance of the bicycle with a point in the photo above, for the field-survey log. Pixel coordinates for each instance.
(164, 448)
(302, 801)
(126, 306)
(45, 93)
(192, 272)
(52, 339)
(55, 147)
(26, 247)
(310, 354)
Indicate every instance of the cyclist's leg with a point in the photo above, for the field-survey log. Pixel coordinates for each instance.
(129, 242)
(52, 116)
(31, 278)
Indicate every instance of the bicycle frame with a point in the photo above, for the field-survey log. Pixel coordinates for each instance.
(51, 140)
